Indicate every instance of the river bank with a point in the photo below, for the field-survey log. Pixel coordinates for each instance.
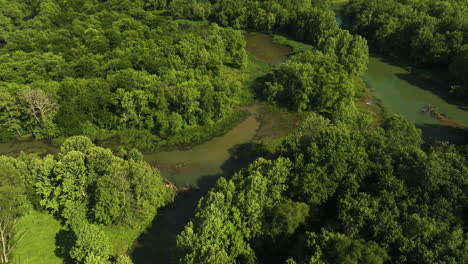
(399, 95)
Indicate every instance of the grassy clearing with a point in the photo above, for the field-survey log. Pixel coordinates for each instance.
(296, 46)
(276, 122)
(248, 76)
(38, 245)
(121, 237)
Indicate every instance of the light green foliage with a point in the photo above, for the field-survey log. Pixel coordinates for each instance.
(89, 182)
(87, 67)
(123, 259)
(351, 51)
(193, 9)
(13, 204)
(402, 132)
(84, 185)
(233, 214)
(92, 246)
(10, 114)
(214, 238)
(313, 124)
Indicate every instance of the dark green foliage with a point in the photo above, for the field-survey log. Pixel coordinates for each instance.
(235, 212)
(328, 247)
(335, 161)
(305, 20)
(287, 217)
(376, 196)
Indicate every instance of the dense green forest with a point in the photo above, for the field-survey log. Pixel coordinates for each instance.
(337, 195)
(346, 187)
(90, 67)
(430, 33)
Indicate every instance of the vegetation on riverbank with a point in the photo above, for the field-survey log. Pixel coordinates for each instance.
(377, 180)
(101, 202)
(185, 139)
(98, 77)
(428, 33)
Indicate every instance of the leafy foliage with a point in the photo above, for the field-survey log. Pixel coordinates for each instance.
(84, 185)
(340, 196)
(87, 67)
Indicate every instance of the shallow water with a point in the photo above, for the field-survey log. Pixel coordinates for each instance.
(262, 46)
(402, 93)
(184, 168)
(399, 91)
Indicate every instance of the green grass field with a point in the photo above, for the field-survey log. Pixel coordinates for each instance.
(254, 69)
(121, 237)
(38, 244)
(296, 46)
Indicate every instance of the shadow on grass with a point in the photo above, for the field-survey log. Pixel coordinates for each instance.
(156, 245)
(65, 240)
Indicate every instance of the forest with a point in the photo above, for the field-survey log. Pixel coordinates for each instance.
(332, 194)
(92, 68)
(346, 186)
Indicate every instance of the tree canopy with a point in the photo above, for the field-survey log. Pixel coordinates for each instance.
(338, 196)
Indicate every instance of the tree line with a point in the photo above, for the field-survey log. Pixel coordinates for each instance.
(83, 186)
(429, 33)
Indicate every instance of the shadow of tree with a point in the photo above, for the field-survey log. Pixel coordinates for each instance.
(437, 84)
(440, 132)
(430, 85)
(64, 240)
